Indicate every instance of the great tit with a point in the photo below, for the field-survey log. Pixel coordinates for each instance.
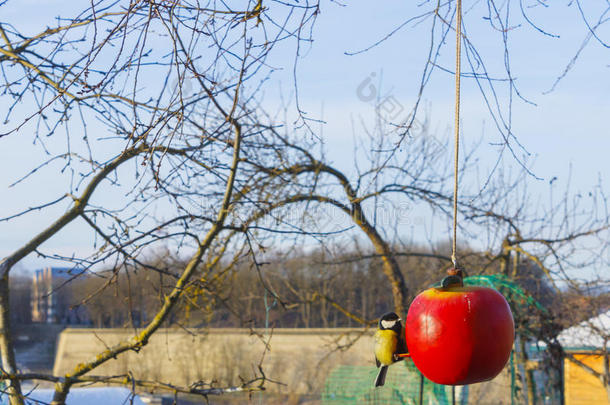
(389, 343)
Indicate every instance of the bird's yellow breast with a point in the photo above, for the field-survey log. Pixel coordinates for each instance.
(385, 346)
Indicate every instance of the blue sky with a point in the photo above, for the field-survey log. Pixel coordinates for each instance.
(566, 132)
(567, 126)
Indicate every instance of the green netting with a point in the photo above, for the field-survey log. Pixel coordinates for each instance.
(354, 385)
(514, 294)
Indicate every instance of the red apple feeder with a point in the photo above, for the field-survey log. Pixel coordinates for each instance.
(459, 334)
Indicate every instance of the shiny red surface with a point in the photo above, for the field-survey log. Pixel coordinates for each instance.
(459, 336)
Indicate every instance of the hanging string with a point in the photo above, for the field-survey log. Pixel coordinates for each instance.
(458, 65)
(268, 308)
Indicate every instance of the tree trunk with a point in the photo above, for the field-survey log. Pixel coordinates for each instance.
(6, 344)
(606, 376)
(529, 373)
(555, 363)
(390, 265)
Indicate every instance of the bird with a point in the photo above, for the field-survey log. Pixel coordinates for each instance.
(389, 344)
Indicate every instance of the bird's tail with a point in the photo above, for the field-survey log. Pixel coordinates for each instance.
(380, 380)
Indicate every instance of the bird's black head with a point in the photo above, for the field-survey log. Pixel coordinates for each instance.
(390, 321)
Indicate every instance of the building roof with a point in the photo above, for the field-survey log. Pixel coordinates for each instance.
(588, 334)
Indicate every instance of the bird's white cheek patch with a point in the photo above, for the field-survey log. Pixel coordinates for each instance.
(388, 324)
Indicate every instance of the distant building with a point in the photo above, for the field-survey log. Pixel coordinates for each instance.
(50, 302)
(589, 343)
